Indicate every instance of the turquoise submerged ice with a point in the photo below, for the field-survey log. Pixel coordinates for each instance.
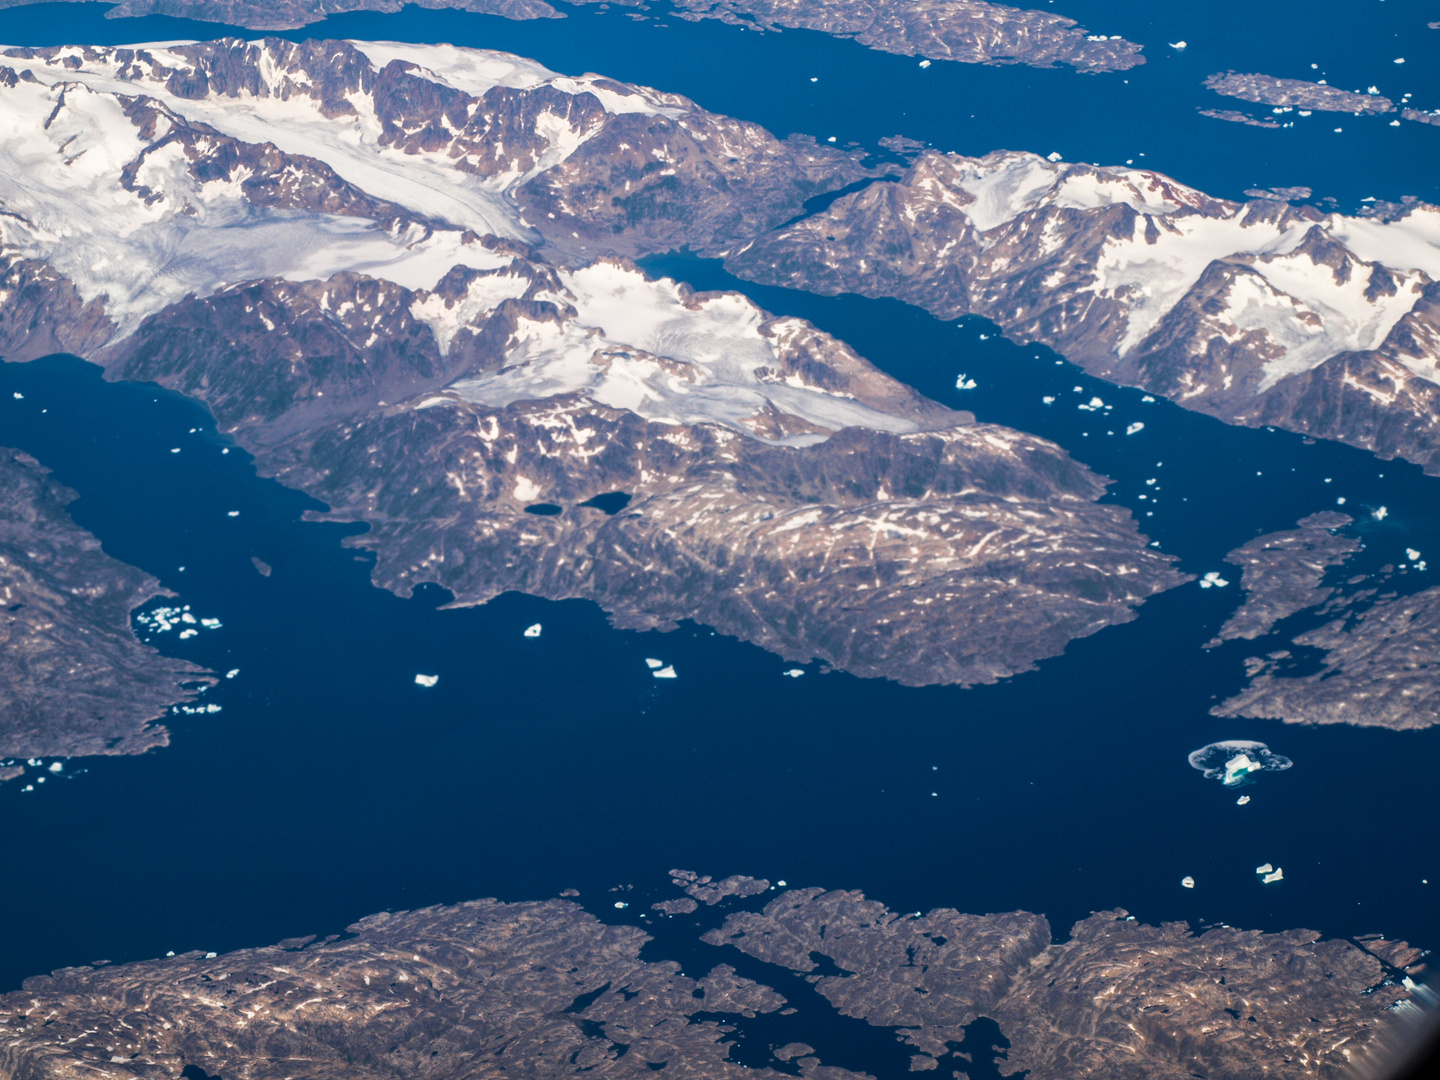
(1233, 760)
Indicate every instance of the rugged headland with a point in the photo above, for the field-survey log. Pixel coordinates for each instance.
(1259, 313)
(392, 273)
(526, 989)
(1374, 636)
(74, 679)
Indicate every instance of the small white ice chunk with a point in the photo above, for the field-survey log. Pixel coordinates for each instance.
(232, 673)
(211, 955)
(1187, 881)
(232, 513)
(666, 672)
(1052, 156)
(533, 630)
(1242, 800)
(1278, 875)
(1264, 868)
(1380, 513)
(963, 382)
(795, 672)
(426, 680)
(1048, 400)
(19, 396)
(1177, 44)
(1412, 554)
(924, 63)
(188, 633)
(1133, 428)
(1213, 578)
(621, 904)
(56, 766)
(653, 664)
(1148, 399)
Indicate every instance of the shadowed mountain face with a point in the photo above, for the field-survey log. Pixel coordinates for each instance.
(525, 989)
(424, 335)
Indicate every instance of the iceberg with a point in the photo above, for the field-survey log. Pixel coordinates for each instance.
(1233, 761)
(1187, 881)
(533, 631)
(426, 680)
(667, 672)
(1278, 875)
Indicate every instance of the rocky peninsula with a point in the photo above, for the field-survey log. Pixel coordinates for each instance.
(74, 679)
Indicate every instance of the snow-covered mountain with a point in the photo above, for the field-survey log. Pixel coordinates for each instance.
(1258, 312)
(397, 274)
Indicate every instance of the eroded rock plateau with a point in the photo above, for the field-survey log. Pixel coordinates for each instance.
(492, 989)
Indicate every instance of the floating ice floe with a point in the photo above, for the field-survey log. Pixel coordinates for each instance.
(1412, 554)
(1177, 44)
(56, 766)
(1052, 156)
(1133, 428)
(1264, 868)
(1233, 760)
(533, 630)
(1272, 875)
(1048, 400)
(1187, 881)
(1213, 578)
(426, 680)
(653, 664)
(795, 672)
(1148, 399)
(621, 904)
(924, 63)
(1380, 513)
(211, 955)
(232, 673)
(188, 632)
(19, 396)
(666, 672)
(1242, 800)
(964, 383)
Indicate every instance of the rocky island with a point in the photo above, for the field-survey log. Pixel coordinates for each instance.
(1377, 668)
(74, 679)
(1282, 573)
(459, 355)
(1297, 93)
(967, 31)
(1374, 635)
(524, 989)
(1259, 312)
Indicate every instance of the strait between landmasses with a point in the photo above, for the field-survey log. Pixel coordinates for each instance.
(1376, 641)
(332, 248)
(74, 679)
(968, 31)
(1257, 313)
(490, 989)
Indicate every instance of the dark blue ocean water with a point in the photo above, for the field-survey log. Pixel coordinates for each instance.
(330, 786)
